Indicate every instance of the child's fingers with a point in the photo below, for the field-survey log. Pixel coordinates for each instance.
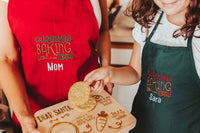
(98, 86)
(94, 86)
(109, 87)
(88, 78)
(95, 75)
(91, 77)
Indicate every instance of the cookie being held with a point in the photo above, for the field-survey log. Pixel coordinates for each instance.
(79, 96)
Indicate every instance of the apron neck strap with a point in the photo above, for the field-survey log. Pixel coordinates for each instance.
(189, 41)
(155, 27)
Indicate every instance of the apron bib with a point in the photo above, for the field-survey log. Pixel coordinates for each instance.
(57, 41)
(168, 99)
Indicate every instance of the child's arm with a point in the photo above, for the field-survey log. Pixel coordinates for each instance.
(127, 75)
(10, 75)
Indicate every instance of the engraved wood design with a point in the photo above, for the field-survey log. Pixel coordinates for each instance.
(107, 117)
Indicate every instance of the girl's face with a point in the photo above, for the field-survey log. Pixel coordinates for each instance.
(173, 7)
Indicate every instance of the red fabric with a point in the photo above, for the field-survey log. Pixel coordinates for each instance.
(57, 41)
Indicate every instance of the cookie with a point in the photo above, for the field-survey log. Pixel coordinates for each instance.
(79, 93)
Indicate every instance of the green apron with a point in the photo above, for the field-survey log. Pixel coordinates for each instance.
(168, 99)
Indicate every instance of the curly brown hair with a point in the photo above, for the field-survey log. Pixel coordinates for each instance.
(144, 12)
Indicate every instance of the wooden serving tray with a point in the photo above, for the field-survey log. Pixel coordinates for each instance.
(107, 117)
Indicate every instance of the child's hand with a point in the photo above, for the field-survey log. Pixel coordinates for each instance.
(98, 78)
(97, 86)
(109, 88)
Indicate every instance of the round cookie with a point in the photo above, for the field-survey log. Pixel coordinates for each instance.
(79, 93)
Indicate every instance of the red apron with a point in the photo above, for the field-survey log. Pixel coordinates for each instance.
(57, 43)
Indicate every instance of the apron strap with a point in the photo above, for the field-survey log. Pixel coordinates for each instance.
(189, 46)
(155, 27)
(189, 41)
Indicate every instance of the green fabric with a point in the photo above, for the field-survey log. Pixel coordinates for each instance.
(168, 99)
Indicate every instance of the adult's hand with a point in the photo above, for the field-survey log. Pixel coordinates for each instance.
(28, 125)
